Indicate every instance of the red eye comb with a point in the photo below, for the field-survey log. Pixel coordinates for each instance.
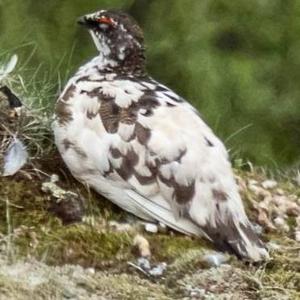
(105, 20)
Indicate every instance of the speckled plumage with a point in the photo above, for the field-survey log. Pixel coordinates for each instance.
(145, 148)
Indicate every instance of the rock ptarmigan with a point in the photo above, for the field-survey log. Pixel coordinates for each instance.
(145, 148)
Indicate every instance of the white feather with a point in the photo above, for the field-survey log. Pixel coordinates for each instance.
(15, 158)
(9, 67)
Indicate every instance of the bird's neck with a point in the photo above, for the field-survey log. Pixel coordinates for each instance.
(132, 64)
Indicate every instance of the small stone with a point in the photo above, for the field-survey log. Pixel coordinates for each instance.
(54, 178)
(144, 263)
(215, 259)
(149, 227)
(280, 192)
(143, 245)
(253, 188)
(158, 270)
(258, 229)
(297, 235)
(292, 208)
(281, 224)
(91, 271)
(252, 182)
(67, 294)
(269, 184)
(279, 221)
(197, 293)
(162, 228)
(279, 200)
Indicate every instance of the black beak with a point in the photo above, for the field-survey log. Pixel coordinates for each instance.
(82, 21)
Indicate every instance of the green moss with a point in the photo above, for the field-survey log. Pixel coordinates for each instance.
(38, 233)
(167, 248)
(35, 232)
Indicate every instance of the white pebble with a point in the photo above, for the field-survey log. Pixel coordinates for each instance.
(143, 245)
(158, 270)
(149, 227)
(197, 293)
(269, 184)
(279, 221)
(144, 263)
(215, 259)
(297, 235)
(91, 270)
(252, 182)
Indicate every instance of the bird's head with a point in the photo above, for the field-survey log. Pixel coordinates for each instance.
(116, 35)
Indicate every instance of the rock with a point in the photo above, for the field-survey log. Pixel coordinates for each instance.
(215, 259)
(280, 192)
(197, 293)
(150, 227)
(142, 245)
(258, 228)
(158, 270)
(297, 235)
(144, 263)
(162, 228)
(281, 224)
(269, 184)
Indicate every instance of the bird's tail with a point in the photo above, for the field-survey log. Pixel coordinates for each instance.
(228, 227)
(237, 238)
(229, 232)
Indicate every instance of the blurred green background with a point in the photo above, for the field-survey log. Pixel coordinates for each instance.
(237, 61)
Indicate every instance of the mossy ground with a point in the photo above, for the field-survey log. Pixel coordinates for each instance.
(30, 231)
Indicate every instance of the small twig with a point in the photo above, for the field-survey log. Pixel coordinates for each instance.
(12, 205)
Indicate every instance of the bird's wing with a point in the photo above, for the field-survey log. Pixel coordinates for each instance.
(171, 164)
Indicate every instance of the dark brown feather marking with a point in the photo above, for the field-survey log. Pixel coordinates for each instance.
(208, 142)
(227, 237)
(219, 195)
(115, 152)
(91, 115)
(69, 93)
(143, 134)
(182, 193)
(145, 180)
(109, 171)
(63, 113)
(129, 161)
(109, 113)
(67, 144)
(70, 145)
(79, 151)
(128, 115)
